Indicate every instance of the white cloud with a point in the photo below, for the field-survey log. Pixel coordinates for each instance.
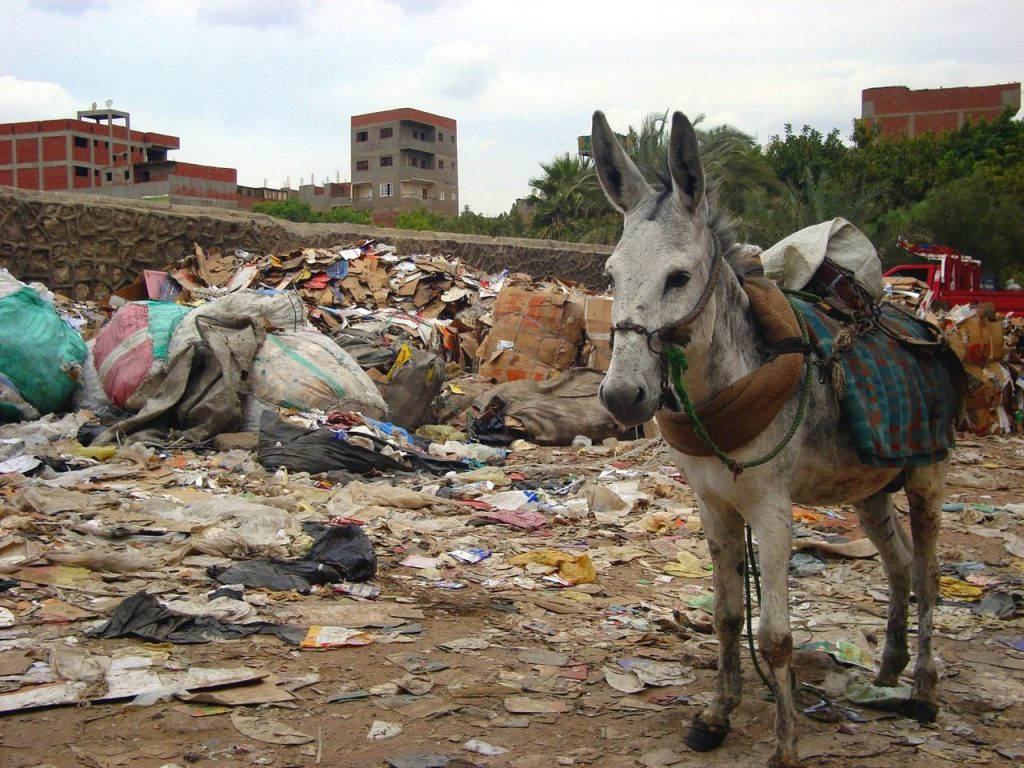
(461, 70)
(70, 7)
(258, 14)
(268, 86)
(22, 100)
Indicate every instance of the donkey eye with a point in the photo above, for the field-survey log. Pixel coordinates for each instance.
(676, 279)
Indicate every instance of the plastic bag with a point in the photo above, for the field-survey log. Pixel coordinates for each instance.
(40, 354)
(133, 346)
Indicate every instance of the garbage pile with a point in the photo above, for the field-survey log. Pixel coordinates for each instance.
(251, 457)
(991, 347)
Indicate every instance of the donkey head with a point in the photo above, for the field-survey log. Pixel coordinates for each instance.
(660, 266)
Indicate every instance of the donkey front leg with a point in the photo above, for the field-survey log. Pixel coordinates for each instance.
(771, 522)
(724, 530)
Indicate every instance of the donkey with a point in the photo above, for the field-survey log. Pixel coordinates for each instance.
(678, 280)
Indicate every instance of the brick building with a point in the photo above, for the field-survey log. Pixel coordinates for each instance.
(404, 160)
(100, 153)
(899, 111)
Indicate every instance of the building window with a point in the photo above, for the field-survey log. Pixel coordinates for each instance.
(127, 175)
(386, 133)
(362, 165)
(386, 190)
(440, 136)
(81, 170)
(440, 195)
(440, 165)
(363, 136)
(385, 162)
(414, 162)
(110, 176)
(81, 142)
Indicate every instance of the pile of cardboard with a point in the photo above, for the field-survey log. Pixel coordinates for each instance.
(508, 327)
(536, 333)
(976, 335)
(432, 301)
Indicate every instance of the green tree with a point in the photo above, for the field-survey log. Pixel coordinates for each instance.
(568, 202)
(421, 219)
(291, 209)
(345, 215)
(982, 215)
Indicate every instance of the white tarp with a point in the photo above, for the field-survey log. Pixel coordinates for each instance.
(792, 261)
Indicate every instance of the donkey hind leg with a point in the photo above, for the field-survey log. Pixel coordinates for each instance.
(925, 486)
(883, 527)
(772, 525)
(724, 530)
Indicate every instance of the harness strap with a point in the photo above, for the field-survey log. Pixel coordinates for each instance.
(677, 333)
(740, 412)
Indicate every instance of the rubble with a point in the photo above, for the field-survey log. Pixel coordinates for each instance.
(548, 604)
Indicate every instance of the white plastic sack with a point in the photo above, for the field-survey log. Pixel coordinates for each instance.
(309, 371)
(277, 312)
(792, 261)
(89, 394)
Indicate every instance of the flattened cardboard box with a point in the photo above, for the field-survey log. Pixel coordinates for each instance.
(536, 333)
(598, 325)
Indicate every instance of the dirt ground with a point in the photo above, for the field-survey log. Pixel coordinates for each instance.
(527, 669)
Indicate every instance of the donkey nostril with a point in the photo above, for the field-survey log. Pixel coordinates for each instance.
(639, 396)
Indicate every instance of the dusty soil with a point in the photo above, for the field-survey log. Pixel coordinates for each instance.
(587, 722)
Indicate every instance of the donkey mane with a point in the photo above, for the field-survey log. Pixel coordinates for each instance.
(721, 224)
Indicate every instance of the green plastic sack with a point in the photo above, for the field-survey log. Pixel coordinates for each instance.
(40, 353)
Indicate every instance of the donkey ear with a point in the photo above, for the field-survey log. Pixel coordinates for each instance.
(685, 165)
(621, 180)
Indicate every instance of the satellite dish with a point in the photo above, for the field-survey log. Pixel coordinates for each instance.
(109, 103)
(94, 105)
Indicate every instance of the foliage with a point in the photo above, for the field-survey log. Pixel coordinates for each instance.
(345, 215)
(964, 189)
(981, 215)
(291, 209)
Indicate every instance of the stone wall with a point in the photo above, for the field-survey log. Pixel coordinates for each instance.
(87, 246)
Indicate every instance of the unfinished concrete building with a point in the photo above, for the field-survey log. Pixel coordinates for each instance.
(404, 160)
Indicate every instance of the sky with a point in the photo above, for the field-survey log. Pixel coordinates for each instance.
(269, 86)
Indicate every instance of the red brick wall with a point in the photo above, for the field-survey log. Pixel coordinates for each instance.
(28, 178)
(54, 148)
(55, 178)
(6, 152)
(28, 151)
(901, 111)
(206, 172)
(404, 113)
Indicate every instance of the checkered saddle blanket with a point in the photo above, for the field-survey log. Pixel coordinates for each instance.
(900, 404)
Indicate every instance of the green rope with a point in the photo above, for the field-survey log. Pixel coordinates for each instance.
(677, 367)
(750, 571)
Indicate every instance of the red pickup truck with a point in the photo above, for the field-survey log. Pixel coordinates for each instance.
(953, 278)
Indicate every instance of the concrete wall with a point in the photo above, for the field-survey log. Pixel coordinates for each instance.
(86, 246)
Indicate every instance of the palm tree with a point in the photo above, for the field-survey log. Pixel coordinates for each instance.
(566, 196)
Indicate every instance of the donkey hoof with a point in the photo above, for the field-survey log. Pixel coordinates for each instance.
(920, 710)
(703, 737)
